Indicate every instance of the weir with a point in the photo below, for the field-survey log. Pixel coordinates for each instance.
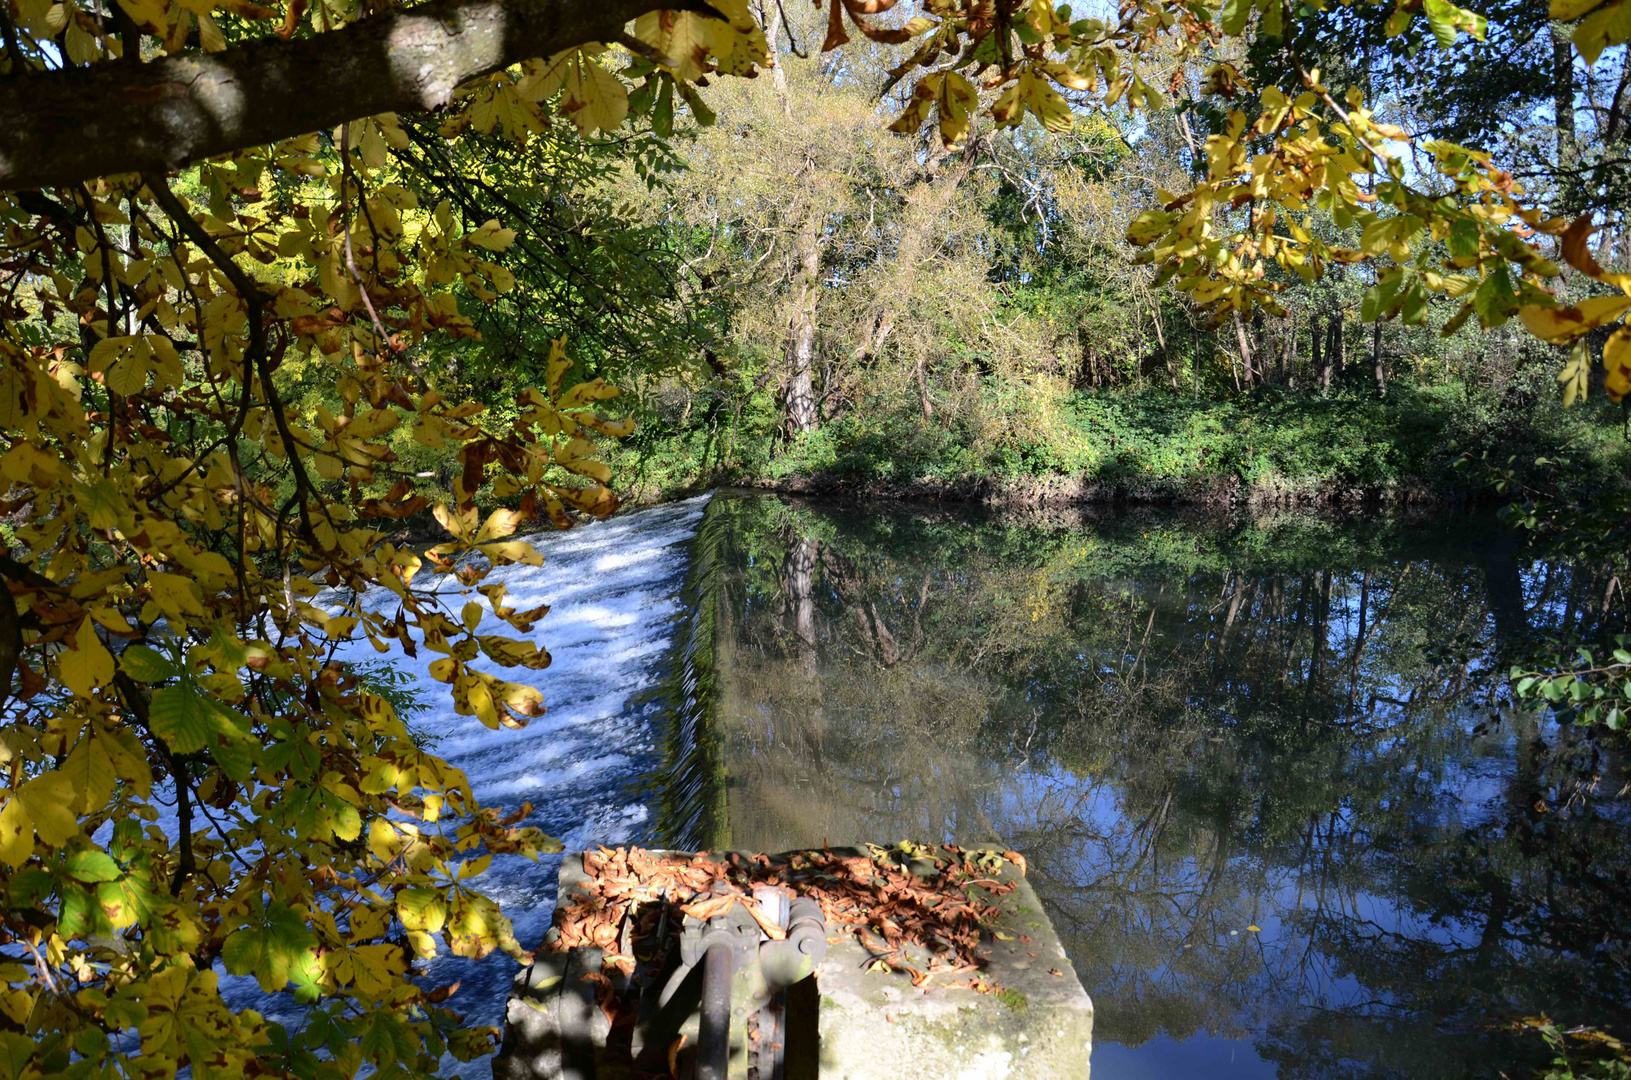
(661, 973)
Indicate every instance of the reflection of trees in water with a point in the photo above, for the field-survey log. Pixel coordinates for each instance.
(1191, 731)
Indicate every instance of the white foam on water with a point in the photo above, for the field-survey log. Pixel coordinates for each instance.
(614, 590)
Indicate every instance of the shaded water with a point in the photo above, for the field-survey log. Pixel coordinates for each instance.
(1264, 790)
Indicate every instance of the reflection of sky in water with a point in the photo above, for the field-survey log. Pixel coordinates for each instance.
(1360, 729)
(1043, 798)
(1204, 1057)
(1053, 800)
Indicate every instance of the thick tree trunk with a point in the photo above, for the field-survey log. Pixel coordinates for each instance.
(63, 127)
(800, 396)
(1376, 361)
(1245, 342)
(778, 74)
(1333, 345)
(1322, 365)
(1563, 92)
(923, 386)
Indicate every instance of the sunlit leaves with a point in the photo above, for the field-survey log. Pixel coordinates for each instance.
(232, 403)
(185, 515)
(47, 802)
(125, 363)
(1303, 150)
(1032, 93)
(1604, 28)
(1617, 364)
(952, 98)
(1447, 21)
(145, 664)
(422, 909)
(86, 663)
(1489, 259)
(1561, 325)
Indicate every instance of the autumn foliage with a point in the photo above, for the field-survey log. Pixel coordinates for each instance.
(195, 781)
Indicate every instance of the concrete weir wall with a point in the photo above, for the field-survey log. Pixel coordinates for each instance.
(872, 1023)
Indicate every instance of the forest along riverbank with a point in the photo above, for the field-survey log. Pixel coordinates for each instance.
(1256, 765)
(1274, 448)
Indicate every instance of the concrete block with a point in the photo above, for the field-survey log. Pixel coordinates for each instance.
(877, 1026)
(872, 1023)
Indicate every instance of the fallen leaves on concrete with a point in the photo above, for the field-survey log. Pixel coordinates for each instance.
(915, 909)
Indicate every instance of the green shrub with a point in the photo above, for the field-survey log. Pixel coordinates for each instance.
(1274, 443)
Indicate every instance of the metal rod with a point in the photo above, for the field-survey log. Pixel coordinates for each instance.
(714, 1033)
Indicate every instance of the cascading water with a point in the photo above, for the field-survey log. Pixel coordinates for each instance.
(615, 595)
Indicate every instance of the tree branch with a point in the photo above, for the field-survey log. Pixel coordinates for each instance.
(66, 126)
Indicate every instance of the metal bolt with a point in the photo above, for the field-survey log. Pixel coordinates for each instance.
(807, 946)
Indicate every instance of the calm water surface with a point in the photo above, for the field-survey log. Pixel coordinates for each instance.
(1273, 808)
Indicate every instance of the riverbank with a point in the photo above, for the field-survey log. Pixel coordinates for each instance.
(1272, 450)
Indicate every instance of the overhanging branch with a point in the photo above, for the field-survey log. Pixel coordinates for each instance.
(59, 128)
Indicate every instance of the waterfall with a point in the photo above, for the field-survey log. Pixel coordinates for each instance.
(617, 594)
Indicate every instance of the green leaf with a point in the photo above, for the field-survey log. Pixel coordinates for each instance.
(1413, 303)
(1272, 26)
(79, 915)
(237, 758)
(146, 664)
(1463, 238)
(699, 109)
(642, 96)
(385, 1039)
(92, 865)
(30, 887)
(1441, 16)
(1495, 299)
(270, 949)
(662, 116)
(1232, 17)
(1379, 297)
(188, 721)
(1607, 26)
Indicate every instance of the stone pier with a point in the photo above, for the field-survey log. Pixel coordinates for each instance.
(1034, 1022)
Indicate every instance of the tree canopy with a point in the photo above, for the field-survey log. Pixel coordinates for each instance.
(244, 247)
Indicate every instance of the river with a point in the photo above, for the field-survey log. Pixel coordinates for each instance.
(1259, 767)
